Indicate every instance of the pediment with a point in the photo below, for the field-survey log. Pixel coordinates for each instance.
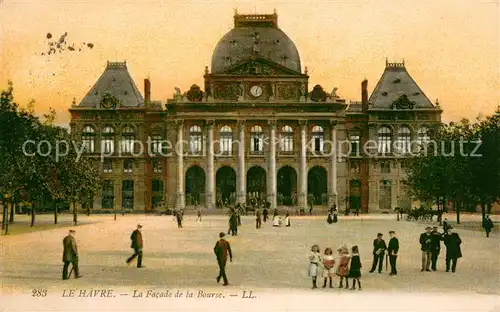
(258, 66)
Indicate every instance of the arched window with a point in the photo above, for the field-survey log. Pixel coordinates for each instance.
(108, 140)
(318, 137)
(128, 139)
(384, 140)
(404, 140)
(257, 139)
(286, 141)
(156, 144)
(195, 139)
(226, 140)
(355, 141)
(88, 139)
(423, 136)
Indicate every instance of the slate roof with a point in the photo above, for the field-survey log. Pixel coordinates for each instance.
(395, 82)
(116, 81)
(354, 107)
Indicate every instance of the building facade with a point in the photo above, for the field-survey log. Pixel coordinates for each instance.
(257, 130)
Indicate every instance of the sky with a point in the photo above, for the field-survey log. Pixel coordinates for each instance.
(451, 48)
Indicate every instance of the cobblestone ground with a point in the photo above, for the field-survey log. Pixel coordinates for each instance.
(272, 262)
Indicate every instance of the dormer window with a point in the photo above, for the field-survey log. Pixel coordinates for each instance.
(384, 93)
(397, 80)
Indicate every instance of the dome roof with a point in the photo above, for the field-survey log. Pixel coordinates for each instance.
(255, 35)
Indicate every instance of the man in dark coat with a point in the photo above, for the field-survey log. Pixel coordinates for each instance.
(445, 226)
(136, 245)
(222, 249)
(379, 248)
(487, 225)
(233, 224)
(392, 250)
(425, 246)
(258, 220)
(435, 246)
(179, 215)
(452, 242)
(70, 255)
(264, 214)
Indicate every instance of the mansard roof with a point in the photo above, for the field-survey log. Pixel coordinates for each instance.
(396, 85)
(116, 81)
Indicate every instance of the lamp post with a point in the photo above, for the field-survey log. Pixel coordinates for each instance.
(5, 222)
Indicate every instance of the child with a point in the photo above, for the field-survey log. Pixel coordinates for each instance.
(314, 261)
(355, 271)
(328, 266)
(343, 269)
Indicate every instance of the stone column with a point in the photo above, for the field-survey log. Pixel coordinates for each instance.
(271, 181)
(333, 161)
(180, 200)
(241, 185)
(302, 198)
(210, 174)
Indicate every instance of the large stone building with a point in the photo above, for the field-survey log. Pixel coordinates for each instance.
(257, 129)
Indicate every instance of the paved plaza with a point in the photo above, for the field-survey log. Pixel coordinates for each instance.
(266, 261)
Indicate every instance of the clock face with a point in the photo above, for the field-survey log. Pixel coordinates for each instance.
(256, 91)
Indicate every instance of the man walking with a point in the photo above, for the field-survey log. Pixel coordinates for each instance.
(222, 249)
(258, 221)
(379, 248)
(392, 250)
(487, 225)
(70, 255)
(198, 213)
(452, 242)
(265, 214)
(435, 246)
(445, 226)
(136, 238)
(425, 243)
(179, 216)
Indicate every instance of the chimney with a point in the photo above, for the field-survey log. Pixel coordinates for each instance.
(147, 91)
(364, 95)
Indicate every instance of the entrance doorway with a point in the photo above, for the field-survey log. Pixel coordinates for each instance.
(256, 183)
(317, 185)
(195, 186)
(226, 186)
(287, 186)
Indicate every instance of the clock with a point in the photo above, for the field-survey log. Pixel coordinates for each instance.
(256, 91)
(109, 101)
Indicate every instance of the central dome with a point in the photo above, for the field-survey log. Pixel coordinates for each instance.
(257, 35)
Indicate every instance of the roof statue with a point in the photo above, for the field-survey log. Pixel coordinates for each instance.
(334, 93)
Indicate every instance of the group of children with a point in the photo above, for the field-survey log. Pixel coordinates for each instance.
(349, 266)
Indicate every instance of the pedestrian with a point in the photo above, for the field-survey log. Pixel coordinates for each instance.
(265, 214)
(355, 268)
(435, 247)
(335, 213)
(328, 267)
(356, 211)
(287, 219)
(310, 207)
(329, 219)
(379, 248)
(179, 215)
(425, 243)
(222, 249)
(258, 221)
(445, 226)
(198, 213)
(452, 242)
(233, 223)
(137, 245)
(343, 268)
(314, 261)
(276, 220)
(487, 225)
(70, 255)
(392, 250)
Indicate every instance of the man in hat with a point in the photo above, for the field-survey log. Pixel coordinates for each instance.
(452, 242)
(222, 249)
(70, 255)
(426, 248)
(392, 250)
(487, 225)
(435, 246)
(136, 245)
(379, 248)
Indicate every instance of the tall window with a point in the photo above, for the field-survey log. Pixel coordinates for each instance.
(423, 136)
(128, 194)
(404, 140)
(88, 139)
(156, 146)
(286, 141)
(108, 195)
(226, 140)
(257, 139)
(318, 137)
(128, 139)
(384, 140)
(108, 140)
(128, 166)
(355, 142)
(195, 140)
(107, 166)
